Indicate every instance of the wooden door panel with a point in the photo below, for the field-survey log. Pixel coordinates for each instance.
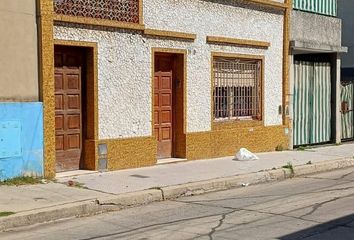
(73, 141)
(157, 133)
(74, 101)
(74, 122)
(59, 81)
(166, 133)
(59, 102)
(166, 117)
(59, 122)
(156, 82)
(166, 99)
(156, 117)
(73, 82)
(163, 113)
(59, 142)
(166, 83)
(156, 99)
(68, 118)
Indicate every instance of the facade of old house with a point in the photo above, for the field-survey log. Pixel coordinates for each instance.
(315, 57)
(131, 83)
(21, 112)
(108, 85)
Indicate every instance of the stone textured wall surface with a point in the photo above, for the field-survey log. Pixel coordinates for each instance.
(124, 61)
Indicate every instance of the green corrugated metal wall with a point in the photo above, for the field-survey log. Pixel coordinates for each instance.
(312, 103)
(326, 7)
(303, 76)
(347, 94)
(321, 129)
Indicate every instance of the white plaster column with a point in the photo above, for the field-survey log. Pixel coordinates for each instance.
(338, 124)
(291, 100)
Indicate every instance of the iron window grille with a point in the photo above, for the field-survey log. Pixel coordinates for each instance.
(116, 10)
(237, 89)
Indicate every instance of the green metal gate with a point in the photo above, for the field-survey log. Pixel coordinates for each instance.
(347, 99)
(312, 103)
(325, 7)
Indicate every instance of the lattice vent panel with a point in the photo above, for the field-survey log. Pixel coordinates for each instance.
(116, 10)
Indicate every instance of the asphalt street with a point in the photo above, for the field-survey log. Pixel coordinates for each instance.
(320, 206)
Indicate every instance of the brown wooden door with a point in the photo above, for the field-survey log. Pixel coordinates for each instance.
(163, 113)
(68, 118)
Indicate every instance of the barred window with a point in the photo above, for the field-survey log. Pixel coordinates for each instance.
(237, 89)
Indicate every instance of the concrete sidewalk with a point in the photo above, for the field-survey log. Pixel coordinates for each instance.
(185, 172)
(115, 190)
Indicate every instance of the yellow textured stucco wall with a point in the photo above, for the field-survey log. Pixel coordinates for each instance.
(227, 141)
(141, 152)
(131, 153)
(46, 76)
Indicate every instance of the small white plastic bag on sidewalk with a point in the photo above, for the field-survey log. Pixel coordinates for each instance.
(245, 155)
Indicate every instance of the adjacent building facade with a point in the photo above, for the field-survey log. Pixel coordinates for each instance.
(21, 113)
(316, 49)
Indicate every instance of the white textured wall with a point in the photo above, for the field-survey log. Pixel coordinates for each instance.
(125, 62)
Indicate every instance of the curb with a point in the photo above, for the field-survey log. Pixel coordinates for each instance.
(219, 184)
(80, 209)
(126, 200)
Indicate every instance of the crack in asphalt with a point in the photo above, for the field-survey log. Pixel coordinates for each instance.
(285, 214)
(316, 206)
(344, 175)
(251, 210)
(246, 207)
(151, 226)
(221, 221)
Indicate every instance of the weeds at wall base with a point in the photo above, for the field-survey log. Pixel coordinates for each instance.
(18, 181)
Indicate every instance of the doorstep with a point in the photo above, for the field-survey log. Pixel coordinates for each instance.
(170, 160)
(74, 173)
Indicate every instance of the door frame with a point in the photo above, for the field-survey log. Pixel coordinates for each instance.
(90, 92)
(178, 140)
